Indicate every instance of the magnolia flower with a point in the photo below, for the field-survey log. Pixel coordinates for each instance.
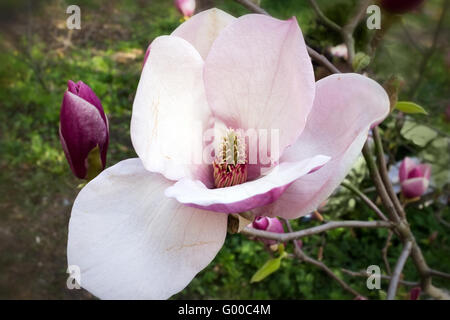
(268, 224)
(146, 226)
(83, 127)
(414, 178)
(186, 7)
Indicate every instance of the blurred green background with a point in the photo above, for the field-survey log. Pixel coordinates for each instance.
(39, 54)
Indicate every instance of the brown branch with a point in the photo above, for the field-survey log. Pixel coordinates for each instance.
(312, 53)
(305, 258)
(285, 237)
(398, 270)
(364, 198)
(327, 21)
(384, 252)
(384, 173)
(439, 274)
(348, 30)
(364, 274)
(379, 184)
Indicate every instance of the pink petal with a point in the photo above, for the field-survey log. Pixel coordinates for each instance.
(405, 167)
(185, 7)
(258, 75)
(415, 173)
(202, 29)
(131, 242)
(415, 187)
(246, 196)
(425, 170)
(345, 107)
(170, 111)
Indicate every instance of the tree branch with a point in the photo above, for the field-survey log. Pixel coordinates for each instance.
(398, 270)
(285, 237)
(348, 30)
(305, 258)
(328, 22)
(364, 274)
(439, 274)
(384, 173)
(384, 252)
(379, 184)
(364, 198)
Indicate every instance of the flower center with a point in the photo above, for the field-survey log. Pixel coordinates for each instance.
(230, 167)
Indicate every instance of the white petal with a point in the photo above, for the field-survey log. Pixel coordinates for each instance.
(170, 112)
(345, 108)
(202, 29)
(132, 242)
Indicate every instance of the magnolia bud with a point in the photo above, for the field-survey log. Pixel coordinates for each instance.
(268, 224)
(186, 7)
(83, 130)
(414, 294)
(414, 178)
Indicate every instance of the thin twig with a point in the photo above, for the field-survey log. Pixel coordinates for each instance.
(384, 173)
(348, 30)
(285, 237)
(384, 252)
(379, 184)
(398, 270)
(364, 274)
(411, 39)
(312, 53)
(429, 52)
(327, 21)
(305, 258)
(439, 274)
(364, 198)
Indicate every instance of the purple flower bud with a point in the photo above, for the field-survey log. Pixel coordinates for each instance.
(400, 6)
(414, 178)
(268, 224)
(83, 127)
(186, 7)
(414, 293)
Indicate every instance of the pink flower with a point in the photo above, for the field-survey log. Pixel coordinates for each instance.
(186, 7)
(83, 126)
(414, 178)
(268, 224)
(146, 226)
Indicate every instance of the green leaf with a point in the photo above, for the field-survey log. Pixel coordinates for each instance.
(360, 61)
(419, 134)
(410, 107)
(267, 269)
